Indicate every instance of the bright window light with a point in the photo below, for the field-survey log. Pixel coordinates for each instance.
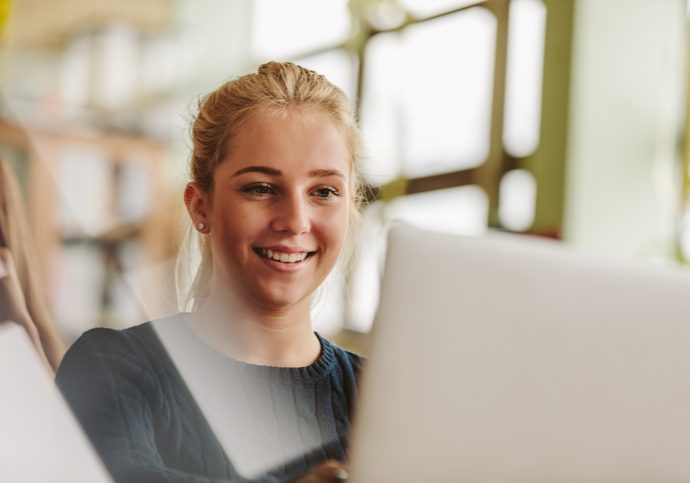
(284, 29)
(462, 210)
(424, 8)
(426, 106)
(526, 32)
(446, 89)
(338, 66)
(381, 109)
(518, 195)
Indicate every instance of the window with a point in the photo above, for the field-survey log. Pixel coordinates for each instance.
(449, 97)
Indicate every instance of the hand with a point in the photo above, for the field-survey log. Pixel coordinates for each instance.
(330, 471)
(12, 303)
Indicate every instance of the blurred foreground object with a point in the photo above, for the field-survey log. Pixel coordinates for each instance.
(27, 300)
(40, 440)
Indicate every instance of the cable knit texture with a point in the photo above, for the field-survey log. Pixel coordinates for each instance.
(270, 424)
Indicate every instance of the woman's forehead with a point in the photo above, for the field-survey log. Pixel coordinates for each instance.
(297, 139)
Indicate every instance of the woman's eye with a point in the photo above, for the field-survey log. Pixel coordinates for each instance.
(258, 189)
(326, 192)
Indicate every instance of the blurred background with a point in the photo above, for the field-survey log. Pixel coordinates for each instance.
(557, 118)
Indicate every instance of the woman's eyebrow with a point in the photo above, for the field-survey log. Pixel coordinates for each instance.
(258, 169)
(326, 172)
(276, 172)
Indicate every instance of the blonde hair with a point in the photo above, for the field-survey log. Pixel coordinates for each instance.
(275, 86)
(15, 235)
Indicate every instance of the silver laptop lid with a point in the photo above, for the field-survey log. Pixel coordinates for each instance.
(501, 359)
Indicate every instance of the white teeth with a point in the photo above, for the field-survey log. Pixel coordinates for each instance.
(283, 257)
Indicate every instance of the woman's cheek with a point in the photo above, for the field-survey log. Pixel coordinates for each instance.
(336, 227)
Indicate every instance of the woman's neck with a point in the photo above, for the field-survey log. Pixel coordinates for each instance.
(282, 338)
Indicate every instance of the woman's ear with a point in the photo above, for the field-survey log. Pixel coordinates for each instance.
(197, 203)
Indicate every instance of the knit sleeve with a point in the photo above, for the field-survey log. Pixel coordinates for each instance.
(113, 396)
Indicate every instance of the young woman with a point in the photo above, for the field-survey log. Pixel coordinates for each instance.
(21, 297)
(241, 387)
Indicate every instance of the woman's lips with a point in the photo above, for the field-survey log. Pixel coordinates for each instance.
(284, 257)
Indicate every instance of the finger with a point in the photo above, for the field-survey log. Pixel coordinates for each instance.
(341, 475)
(4, 257)
(332, 471)
(6, 262)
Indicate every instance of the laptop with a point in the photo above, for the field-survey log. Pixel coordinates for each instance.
(504, 359)
(40, 441)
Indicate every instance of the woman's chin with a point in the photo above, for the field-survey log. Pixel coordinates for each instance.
(282, 300)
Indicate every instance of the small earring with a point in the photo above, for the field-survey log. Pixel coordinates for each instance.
(201, 226)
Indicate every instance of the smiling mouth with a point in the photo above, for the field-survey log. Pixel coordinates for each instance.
(282, 257)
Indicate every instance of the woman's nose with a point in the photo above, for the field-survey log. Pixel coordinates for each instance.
(291, 216)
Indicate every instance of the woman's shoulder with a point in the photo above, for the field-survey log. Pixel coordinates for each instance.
(119, 342)
(344, 358)
(352, 358)
(138, 347)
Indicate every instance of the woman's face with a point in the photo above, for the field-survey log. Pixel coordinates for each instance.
(279, 210)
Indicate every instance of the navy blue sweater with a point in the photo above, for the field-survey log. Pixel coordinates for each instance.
(245, 422)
